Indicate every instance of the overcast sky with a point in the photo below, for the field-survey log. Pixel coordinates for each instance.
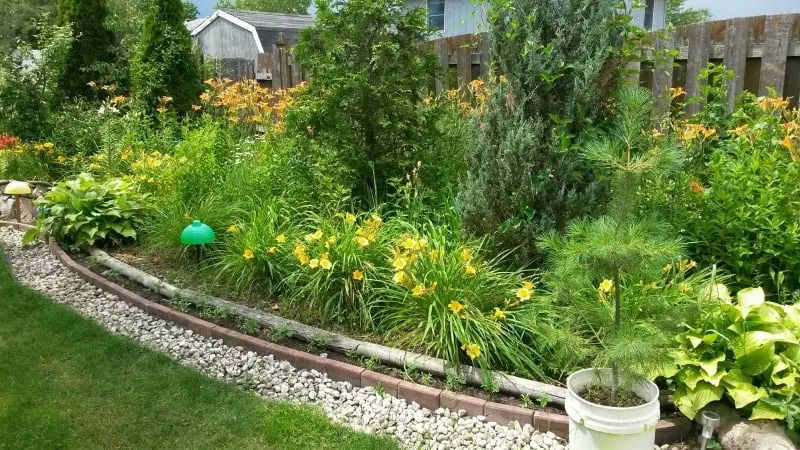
(721, 9)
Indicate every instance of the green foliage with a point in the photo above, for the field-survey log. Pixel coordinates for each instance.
(281, 332)
(555, 61)
(84, 211)
(678, 14)
(21, 21)
(334, 261)
(745, 353)
(92, 48)
(256, 250)
(190, 11)
(279, 6)
(439, 294)
(319, 341)
(165, 64)
(364, 99)
(455, 381)
(608, 271)
(29, 83)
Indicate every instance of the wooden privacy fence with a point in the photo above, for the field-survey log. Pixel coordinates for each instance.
(763, 51)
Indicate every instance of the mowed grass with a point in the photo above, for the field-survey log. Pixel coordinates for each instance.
(66, 383)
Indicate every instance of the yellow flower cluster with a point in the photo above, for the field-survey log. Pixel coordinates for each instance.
(301, 251)
(404, 255)
(46, 147)
(466, 258)
(696, 131)
(368, 232)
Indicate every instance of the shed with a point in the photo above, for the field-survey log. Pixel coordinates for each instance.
(236, 38)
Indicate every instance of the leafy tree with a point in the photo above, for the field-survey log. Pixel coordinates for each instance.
(366, 77)
(92, 49)
(551, 64)
(20, 21)
(191, 11)
(279, 6)
(678, 14)
(165, 64)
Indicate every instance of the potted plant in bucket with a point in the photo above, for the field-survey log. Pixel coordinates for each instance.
(622, 279)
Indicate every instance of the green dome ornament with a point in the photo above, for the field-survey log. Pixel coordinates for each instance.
(197, 234)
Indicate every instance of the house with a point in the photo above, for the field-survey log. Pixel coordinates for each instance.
(235, 38)
(455, 17)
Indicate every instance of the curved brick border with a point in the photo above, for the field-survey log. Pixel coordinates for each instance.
(667, 431)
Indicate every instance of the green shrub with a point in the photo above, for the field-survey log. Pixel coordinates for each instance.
(553, 61)
(745, 215)
(27, 93)
(744, 353)
(366, 77)
(84, 212)
(169, 216)
(435, 292)
(92, 52)
(164, 64)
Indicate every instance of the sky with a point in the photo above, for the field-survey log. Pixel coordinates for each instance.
(721, 9)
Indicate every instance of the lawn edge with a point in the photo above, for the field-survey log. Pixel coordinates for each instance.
(667, 430)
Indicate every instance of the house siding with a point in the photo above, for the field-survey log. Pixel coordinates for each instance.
(460, 17)
(464, 17)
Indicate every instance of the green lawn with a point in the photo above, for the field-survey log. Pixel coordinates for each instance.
(66, 383)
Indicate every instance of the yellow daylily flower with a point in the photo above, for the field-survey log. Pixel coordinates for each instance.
(325, 263)
(350, 218)
(527, 285)
(666, 269)
(248, 254)
(498, 314)
(358, 275)
(400, 263)
(233, 229)
(272, 250)
(455, 306)
(466, 255)
(314, 263)
(419, 290)
(524, 293)
(472, 350)
(470, 270)
(606, 286)
(280, 239)
(361, 241)
(313, 237)
(399, 277)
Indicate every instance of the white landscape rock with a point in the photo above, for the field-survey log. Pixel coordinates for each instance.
(358, 408)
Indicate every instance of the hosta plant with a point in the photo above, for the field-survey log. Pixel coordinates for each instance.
(746, 353)
(84, 211)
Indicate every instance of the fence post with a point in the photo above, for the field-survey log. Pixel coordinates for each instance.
(464, 61)
(777, 30)
(662, 75)
(485, 48)
(737, 40)
(440, 48)
(699, 40)
(277, 77)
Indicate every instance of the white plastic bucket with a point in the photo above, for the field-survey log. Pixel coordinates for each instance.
(598, 427)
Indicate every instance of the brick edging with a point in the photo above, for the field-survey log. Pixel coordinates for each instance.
(667, 431)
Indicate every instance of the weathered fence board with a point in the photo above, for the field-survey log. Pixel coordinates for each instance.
(764, 52)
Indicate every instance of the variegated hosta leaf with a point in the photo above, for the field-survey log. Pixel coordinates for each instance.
(758, 361)
(767, 411)
(690, 402)
(749, 299)
(746, 394)
(710, 364)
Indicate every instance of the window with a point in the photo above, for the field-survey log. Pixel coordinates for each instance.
(436, 14)
(648, 15)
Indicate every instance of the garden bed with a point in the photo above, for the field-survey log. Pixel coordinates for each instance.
(670, 430)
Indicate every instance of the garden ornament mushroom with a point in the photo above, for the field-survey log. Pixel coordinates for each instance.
(16, 189)
(197, 234)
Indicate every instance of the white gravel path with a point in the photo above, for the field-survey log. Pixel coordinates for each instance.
(359, 408)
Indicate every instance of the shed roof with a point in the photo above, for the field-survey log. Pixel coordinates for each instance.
(273, 21)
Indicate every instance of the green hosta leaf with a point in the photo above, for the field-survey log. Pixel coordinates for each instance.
(745, 394)
(789, 379)
(748, 299)
(692, 401)
(765, 411)
(695, 338)
(792, 313)
(30, 236)
(690, 376)
(128, 232)
(710, 364)
(758, 361)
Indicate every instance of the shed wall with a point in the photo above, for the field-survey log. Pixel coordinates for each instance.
(224, 40)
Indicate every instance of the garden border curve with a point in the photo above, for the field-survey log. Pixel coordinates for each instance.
(667, 430)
